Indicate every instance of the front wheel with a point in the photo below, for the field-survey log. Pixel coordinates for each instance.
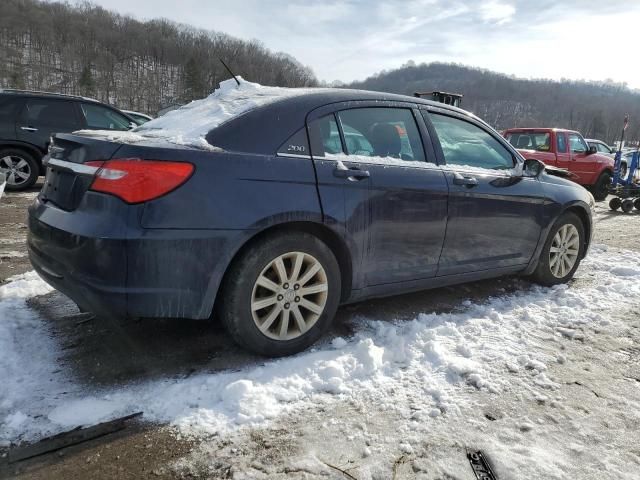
(601, 187)
(562, 252)
(281, 294)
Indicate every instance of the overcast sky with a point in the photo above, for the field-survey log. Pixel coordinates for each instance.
(349, 40)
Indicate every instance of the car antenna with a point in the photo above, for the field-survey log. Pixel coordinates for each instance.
(229, 70)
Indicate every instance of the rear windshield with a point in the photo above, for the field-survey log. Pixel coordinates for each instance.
(540, 141)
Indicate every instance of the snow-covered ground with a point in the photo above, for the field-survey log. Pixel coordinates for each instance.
(397, 382)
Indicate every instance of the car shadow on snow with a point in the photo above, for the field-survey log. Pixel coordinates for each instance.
(101, 353)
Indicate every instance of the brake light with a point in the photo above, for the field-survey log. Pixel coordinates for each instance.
(135, 180)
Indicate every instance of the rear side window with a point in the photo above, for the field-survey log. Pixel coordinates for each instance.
(382, 132)
(104, 118)
(539, 141)
(561, 141)
(325, 136)
(50, 113)
(464, 143)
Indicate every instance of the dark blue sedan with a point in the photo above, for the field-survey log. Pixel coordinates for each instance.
(306, 202)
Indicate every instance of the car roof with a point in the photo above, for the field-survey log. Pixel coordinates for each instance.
(40, 94)
(278, 120)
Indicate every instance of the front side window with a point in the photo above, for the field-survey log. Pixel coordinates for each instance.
(104, 118)
(561, 141)
(50, 113)
(577, 143)
(382, 132)
(464, 143)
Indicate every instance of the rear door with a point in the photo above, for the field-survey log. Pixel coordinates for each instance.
(374, 173)
(494, 213)
(43, 117)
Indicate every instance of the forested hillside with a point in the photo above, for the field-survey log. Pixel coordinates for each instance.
(595, 109)
(143, 66)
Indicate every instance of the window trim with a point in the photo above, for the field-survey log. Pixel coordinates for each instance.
(517, 158)
(426, 135)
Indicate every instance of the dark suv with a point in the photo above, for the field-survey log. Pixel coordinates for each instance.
(29, 119)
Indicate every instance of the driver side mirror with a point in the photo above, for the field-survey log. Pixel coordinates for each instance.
(532, 167)
(592, 149)
(132, 125)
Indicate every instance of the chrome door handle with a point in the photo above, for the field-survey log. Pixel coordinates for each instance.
(351, 173)
(466, 181)
(29, 129)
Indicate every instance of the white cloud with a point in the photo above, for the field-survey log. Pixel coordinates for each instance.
(497, 12)
(352, 39)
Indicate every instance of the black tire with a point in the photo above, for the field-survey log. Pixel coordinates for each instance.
(636, 203)
(543, 274)
(31, 168)
(235, 302)
(600, 189)
(615, 203)
(627, 205)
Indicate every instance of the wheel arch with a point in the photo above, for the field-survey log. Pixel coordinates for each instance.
(585, 218)
(336, 244)
(26, 147)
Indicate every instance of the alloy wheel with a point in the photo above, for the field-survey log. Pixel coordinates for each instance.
(16, 169)
(289, 296)
(564, 250)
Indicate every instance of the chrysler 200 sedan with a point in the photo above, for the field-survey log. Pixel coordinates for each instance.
(307, 202)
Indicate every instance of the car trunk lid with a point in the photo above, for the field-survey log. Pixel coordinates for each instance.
(67, 176)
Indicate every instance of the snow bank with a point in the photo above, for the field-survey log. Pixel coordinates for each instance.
(189, 124)
(434, 362)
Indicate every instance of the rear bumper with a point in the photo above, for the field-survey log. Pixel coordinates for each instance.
(116, 271)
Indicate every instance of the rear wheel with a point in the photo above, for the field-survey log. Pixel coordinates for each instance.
(20, 168)
(636, 203)
(627, 205)
(281, 294)
(601, 187)
(562, 252)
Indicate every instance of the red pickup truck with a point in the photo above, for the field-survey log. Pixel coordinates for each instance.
(565, 149)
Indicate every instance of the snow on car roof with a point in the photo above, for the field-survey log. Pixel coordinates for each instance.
(189, 124)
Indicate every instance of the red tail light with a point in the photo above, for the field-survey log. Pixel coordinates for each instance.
(135, 180)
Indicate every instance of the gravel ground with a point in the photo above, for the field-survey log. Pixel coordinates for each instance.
(102, 354)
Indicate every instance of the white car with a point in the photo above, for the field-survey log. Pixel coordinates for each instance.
(138, 117)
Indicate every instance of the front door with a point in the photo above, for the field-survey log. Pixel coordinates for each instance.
(582, 164)
(494, 213)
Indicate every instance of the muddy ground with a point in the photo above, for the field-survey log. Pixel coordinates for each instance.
(103, 354)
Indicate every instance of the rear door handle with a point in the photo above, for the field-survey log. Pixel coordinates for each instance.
(29, 129)
(466, 181)
(354, 173)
